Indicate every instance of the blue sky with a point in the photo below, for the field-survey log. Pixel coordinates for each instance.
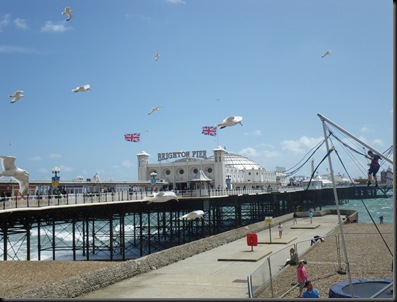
(258, 59)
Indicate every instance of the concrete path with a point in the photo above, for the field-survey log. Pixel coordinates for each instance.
(221, 272)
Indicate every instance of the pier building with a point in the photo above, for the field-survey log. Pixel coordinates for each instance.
(192, 170)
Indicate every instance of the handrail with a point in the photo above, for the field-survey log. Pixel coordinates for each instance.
(43, 200)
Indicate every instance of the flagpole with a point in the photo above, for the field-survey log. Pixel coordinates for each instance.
(217, 138)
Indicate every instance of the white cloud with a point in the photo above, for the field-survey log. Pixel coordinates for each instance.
(140, 17)
(176, 1)
(65, 168)
(378, 141)
(254, 153)
(255, 133)
(20, 23)
(16, 49)
(54, 155)
(43, 171)
(363, 139)
(4, 22)
(36, 158)
(366, 129)
(59, 27)
(127, 163)
(302, 145)
(249, 152)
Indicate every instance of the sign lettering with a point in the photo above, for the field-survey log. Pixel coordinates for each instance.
(183, 154)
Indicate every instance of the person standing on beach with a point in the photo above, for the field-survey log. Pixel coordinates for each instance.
(310, 291)
(280, 230)
(302, 276)
(381, 219)
(373, 167)
(295, 216)
(311, 216)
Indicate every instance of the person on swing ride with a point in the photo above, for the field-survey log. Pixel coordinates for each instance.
(373, 167)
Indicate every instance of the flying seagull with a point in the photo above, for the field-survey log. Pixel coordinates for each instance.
(16, 96)
(68, 12)
(326, 53)
(161, 197)
(230, 121)
(21, 176)
(193, 215)
(82, 88)
(156, 56)
(154, 109)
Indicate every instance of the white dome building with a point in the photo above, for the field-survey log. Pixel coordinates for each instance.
(219, 171)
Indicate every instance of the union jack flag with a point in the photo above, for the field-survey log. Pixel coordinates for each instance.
(133, 137)
(209, 130)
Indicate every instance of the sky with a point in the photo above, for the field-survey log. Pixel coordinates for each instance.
(259, 59)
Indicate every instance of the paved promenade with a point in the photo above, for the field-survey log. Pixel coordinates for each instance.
(221, 272)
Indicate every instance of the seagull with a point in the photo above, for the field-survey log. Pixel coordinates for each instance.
(156, 56)
(230, 121)
(68, 12)
(326, 53)
(154, 109)
(161, 197)
(193, 215)
(21, 176)
(82, 88)
(16, 96)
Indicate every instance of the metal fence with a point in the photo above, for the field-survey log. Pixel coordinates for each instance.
(262, 278)
(265, 283)
(31, 201)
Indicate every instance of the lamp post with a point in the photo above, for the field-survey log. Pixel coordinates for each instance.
(55, 178)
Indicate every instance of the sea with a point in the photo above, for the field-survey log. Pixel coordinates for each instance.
(369, 210)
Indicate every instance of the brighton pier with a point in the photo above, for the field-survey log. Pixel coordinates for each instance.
(120, 226)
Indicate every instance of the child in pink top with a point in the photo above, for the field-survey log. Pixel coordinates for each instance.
(302, 276)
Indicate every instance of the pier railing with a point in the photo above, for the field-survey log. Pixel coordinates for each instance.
(35, 201)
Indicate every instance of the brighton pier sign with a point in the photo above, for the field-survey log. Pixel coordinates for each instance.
(186, 154)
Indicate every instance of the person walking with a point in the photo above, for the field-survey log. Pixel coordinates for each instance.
(381, 219)
(310, 291)
(311, 216)
(295, 216)
(302, 276)
(280, 230)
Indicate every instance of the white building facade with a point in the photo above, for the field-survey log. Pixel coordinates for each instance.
(222, 170)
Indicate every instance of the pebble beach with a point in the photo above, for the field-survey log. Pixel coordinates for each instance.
(368, 257)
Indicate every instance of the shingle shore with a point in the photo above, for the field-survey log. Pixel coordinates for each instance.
(367, 254)
(70, 279)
